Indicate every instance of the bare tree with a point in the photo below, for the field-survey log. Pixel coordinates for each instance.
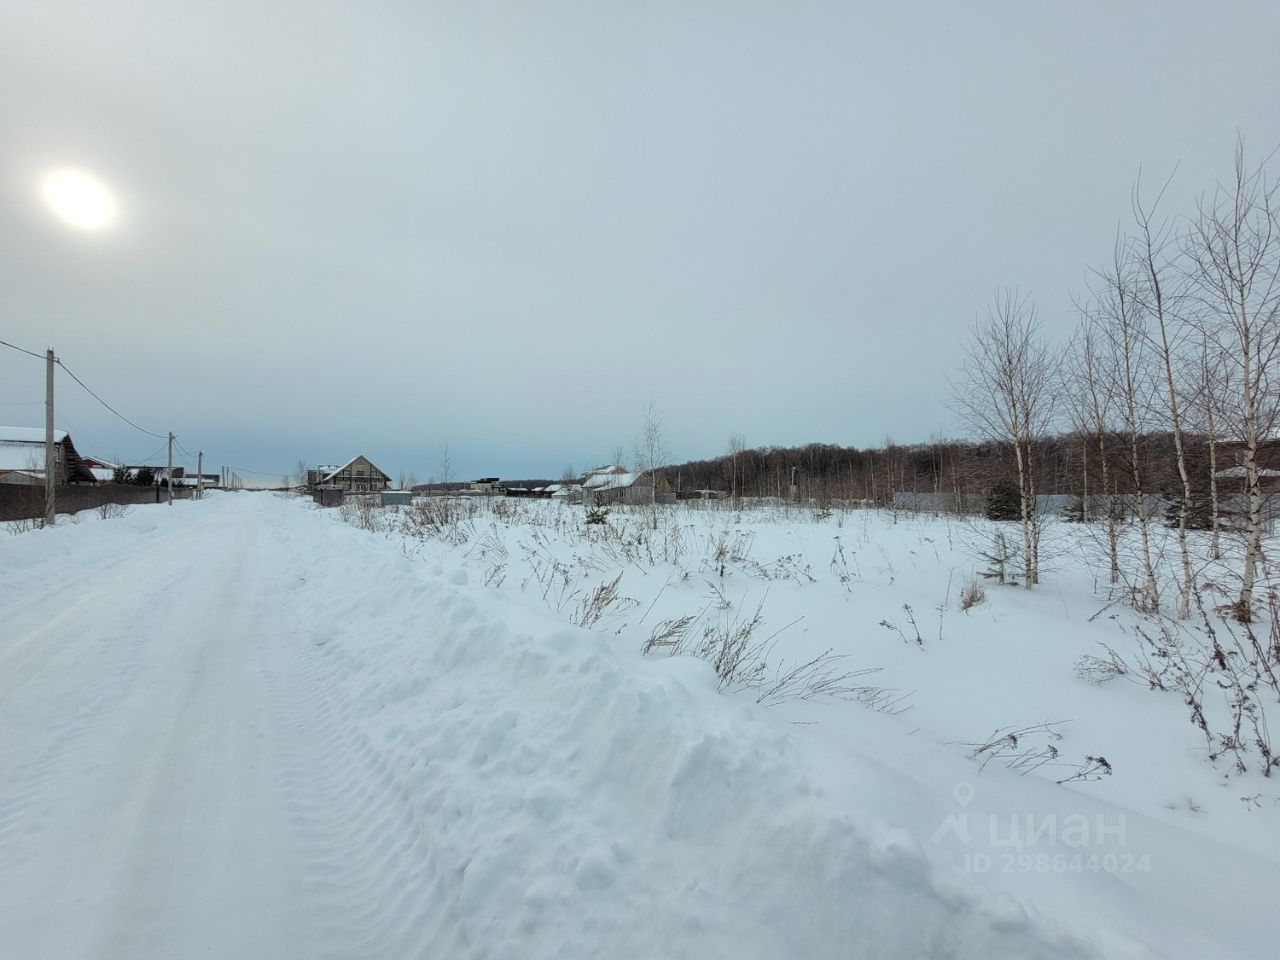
(1003, 393)
(651, 453)
(1209, 378)
(1158, 301)
(1122, 323)
(1089, 386)
(1233, 253)
(446, 468)
(737, 447)
(303, 473)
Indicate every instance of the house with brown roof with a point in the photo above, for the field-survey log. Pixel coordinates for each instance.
(357, 475)
(22, 458)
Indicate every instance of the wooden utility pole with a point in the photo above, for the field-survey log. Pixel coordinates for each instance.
(169, 478)
(50, 461)
(199, 474)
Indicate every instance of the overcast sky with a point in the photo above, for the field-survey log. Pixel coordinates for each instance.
(376, 227)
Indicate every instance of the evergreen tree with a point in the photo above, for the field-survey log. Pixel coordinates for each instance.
(1074, 511)
(1003, 501)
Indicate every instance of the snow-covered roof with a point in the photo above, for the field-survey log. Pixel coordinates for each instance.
(333, 471)
(102, 474)
(22, 456)
(610, 481)
(28, 435)
(20, 476)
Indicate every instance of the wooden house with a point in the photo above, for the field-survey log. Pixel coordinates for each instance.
(357, 475)
(614, 484)
(22, 458)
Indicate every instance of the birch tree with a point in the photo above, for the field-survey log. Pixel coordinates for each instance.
(1090, 387)
(1233, 255)
(1004, 395)
(737, 446)
(1121, 320)
(651, 454)
(1158, 301)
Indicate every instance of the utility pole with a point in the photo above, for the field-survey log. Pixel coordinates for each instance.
(199, 474)
(50, 461)
(169, 479)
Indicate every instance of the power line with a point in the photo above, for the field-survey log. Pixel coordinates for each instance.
(156, 454)
(158, 436)
(260, 473)
(87, 389)
(30, 353)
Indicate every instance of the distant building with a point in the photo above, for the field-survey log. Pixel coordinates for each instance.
(571, 492)
(531, 493)
(357, 475)
(486, 485)
(613, 484)
(104, 471)
(183, 477)
(22, 458)
(702, 495)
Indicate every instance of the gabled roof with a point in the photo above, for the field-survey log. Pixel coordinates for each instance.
(28, 435)
(22, 448)
(609, 481)
(337, 470)
(22, 456)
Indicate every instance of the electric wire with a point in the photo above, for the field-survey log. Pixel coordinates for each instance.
(107, 405)
(30, 353)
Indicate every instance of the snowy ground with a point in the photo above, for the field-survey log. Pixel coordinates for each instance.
(245, 727)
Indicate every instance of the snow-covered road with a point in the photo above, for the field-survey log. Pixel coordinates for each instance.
(241, 728)
(144, 808)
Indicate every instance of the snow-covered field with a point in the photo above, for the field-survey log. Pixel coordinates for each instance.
(245, 727)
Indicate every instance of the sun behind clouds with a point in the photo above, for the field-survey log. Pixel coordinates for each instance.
(79, 199)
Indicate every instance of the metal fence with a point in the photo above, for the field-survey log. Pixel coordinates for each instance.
(20, 501)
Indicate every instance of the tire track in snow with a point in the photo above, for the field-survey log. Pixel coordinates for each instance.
(372, 874)
(138, 792)
(61, 643)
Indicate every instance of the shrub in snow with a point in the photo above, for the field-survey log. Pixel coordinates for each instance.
(972, 594)
(1029, 748)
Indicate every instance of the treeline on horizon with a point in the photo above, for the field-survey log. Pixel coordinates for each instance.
(1066, 464)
